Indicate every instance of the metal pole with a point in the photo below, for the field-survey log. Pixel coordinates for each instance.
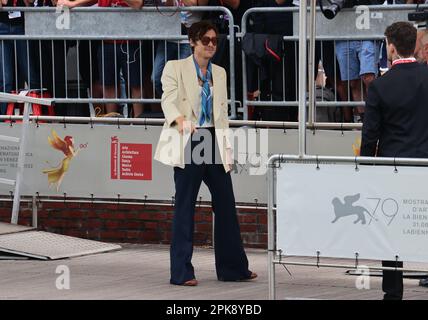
(302, 77)
(311, 76)
(90, 200)
(7, 97)
(34, 212)
(244, 70)
(21, 163)
(160, 122)
(360, 160)
(271, 231)
(344, 266)
(232, 63)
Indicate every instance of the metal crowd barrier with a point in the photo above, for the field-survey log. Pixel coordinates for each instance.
(48, 52)
(274, 256)
(82, 47)
(17, 183)
(326, 103)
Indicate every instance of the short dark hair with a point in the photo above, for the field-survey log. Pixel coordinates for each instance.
(403, 36)
(198, 29)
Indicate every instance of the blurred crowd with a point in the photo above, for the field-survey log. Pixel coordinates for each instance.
(132, 69)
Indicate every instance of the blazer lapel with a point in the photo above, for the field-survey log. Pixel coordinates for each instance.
(217, 80)
(191, 85)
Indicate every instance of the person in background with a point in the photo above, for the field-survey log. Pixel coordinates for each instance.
(120, 56)
(358, 62)
(421, 50)
(88, 54)
(51, 57)
(14, 55)
(421, 54)
(271, 72)
(409, 1)
(169, 50)
(221, 21)
(396, 119)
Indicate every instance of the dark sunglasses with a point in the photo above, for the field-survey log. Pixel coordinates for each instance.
(206, 41)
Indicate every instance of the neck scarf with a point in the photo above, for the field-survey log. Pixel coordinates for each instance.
(207, 100)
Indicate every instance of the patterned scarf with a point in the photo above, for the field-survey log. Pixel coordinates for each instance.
(207, 100)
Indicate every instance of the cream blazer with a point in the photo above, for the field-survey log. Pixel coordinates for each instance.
(181, 97)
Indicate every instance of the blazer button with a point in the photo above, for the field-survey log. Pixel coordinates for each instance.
(184, 99)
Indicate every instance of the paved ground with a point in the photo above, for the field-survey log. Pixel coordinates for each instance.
(142, 272)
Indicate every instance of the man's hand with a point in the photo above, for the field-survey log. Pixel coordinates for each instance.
(66, 3)
(185, 126)
(194, 3)
(3, 3)
(135, 4)
(29, 3)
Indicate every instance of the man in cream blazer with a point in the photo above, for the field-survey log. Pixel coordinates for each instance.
(195, 98)
(181, 97)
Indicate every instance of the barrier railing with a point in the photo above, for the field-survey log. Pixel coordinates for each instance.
(333, 102)
(281, 252)
(75, 65)
(280, 241)
(88, 175)
(17, 183)
(333, 99)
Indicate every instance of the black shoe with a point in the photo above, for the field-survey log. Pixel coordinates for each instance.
(392, 297)
(423, 282)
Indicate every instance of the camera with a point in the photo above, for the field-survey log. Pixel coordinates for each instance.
(334, 6)
(419, 16)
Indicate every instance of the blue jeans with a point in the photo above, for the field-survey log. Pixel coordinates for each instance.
(8, 63)
(172, 52)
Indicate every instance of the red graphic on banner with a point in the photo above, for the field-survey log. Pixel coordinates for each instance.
(135, 161)
(114, 157)
(131, 161)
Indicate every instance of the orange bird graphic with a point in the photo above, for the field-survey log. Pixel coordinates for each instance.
(56, 174)
(356, 147)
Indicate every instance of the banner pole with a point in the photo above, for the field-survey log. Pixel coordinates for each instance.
(271, 226)
(302, 76)
(21, 164)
